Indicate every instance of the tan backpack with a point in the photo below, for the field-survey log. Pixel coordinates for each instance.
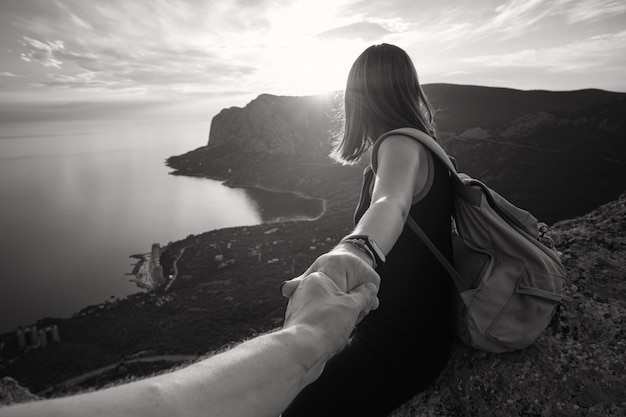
(507, 273)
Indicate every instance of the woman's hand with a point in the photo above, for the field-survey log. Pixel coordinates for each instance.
(345, 265)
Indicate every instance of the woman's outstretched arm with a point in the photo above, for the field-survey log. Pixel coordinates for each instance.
(402, 172)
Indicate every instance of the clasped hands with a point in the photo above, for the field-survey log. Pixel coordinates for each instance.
(332, 295)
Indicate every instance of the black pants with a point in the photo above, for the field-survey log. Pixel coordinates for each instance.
(359, 381)
(400, 348)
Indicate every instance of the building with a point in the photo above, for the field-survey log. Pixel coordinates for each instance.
(155, 269)
(31, 337)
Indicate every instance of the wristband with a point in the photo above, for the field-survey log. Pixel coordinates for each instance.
(368, 245)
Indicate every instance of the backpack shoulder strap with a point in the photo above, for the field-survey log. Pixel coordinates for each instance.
(439, 153)
(456, 277)
(429, 143)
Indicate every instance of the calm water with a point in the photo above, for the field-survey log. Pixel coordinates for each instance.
(76, 199)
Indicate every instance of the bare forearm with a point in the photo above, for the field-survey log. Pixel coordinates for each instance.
(383, 220)
(257, 378)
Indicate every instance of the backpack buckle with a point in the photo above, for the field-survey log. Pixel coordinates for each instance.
(543, 237)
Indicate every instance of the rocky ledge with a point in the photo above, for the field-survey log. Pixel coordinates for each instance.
(13, 393)
(576, 368)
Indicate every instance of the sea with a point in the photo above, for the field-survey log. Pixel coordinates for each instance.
(77, 198)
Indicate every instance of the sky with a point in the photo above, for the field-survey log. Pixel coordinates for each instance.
(71, 58)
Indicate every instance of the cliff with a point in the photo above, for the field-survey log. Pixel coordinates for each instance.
(301, 125)
(248, 146)
(294, 126)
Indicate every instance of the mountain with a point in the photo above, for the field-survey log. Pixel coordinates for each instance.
(557, 154)
(460, 107)
(294, 126)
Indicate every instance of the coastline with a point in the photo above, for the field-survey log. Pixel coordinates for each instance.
(226, 286)
(225, 291)
(232, 183)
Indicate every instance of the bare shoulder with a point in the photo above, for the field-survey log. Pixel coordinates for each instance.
(394, 146)
(400, 158)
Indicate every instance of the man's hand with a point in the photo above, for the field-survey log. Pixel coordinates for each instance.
(326, 314)
(346, 268)
(318, 301)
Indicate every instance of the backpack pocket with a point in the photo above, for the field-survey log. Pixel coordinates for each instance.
(528, 311)
(541, 285)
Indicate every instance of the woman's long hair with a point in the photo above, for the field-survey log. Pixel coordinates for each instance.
(382, 93)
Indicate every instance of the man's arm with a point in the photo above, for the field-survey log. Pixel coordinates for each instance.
(257, 378)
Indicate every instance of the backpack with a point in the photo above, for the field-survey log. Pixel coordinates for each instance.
(507, 273)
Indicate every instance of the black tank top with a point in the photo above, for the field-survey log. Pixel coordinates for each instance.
(415, 290)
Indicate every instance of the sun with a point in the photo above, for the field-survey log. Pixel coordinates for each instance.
(321, 81)
(316, 69)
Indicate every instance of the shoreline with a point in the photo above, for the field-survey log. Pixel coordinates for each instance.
(146, 284)
(225, 291)
(231, 183)
(227, 282)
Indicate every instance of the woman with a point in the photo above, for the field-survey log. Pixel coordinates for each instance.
(399, 349)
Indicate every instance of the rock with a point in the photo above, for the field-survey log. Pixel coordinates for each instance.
(276, 125)
(527, 125)
(12, 393)
(577, 367)
(475, 133)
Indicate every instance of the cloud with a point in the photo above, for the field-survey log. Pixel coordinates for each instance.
(287, 46)
(87, 80)
(578, 11)
(44, 53)
(364, 30)
(510, 19)
(10, 74)
(101, 68)
(454, 73)
(161, 44)
(517, 17)
(601, 52)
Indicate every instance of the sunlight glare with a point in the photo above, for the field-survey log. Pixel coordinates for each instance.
(299, 61)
